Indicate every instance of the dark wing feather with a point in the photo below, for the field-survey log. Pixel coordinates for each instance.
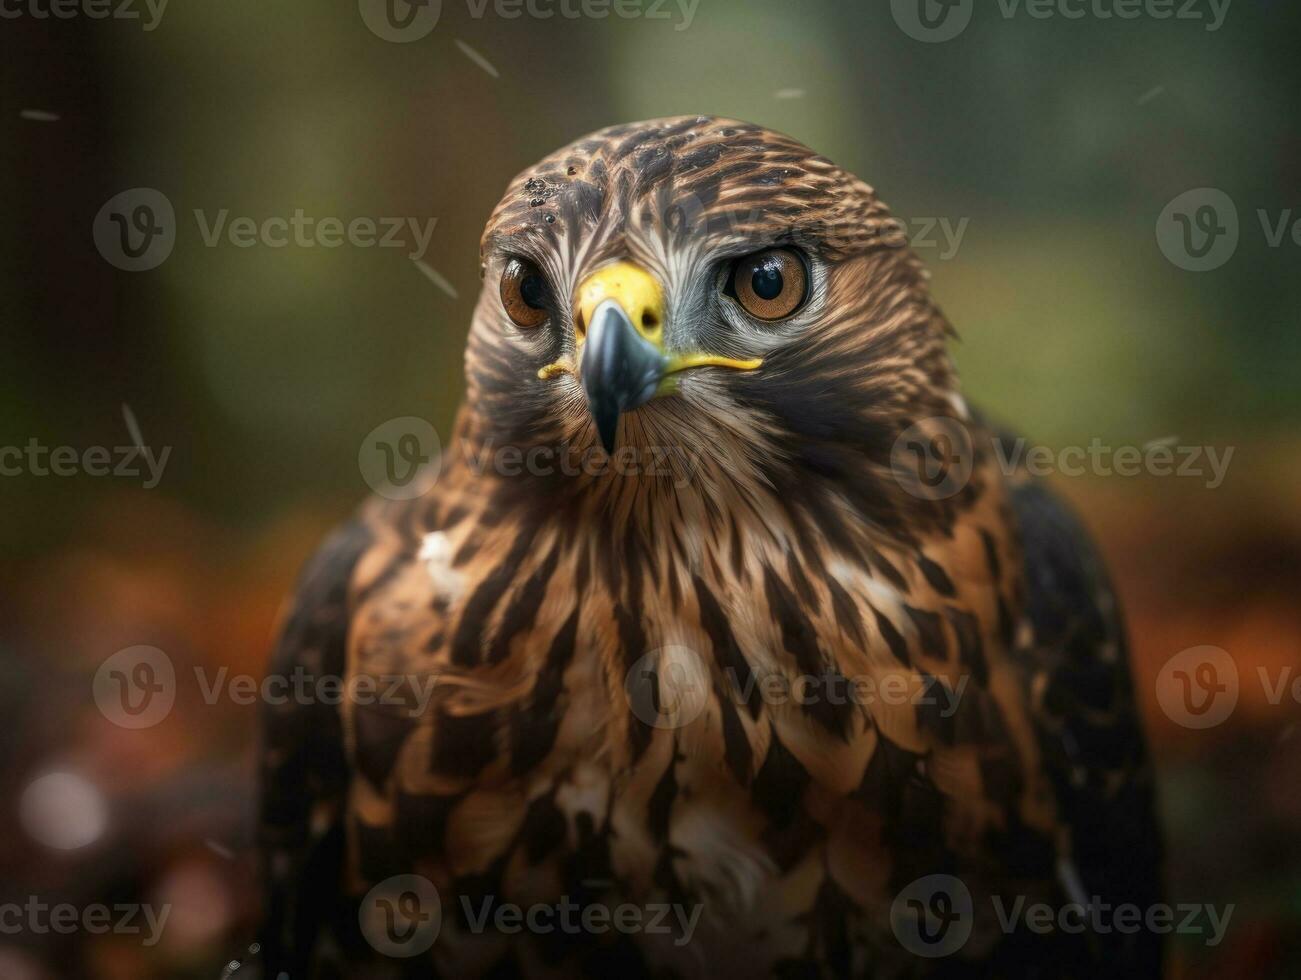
(1089, 729)
(304, 769)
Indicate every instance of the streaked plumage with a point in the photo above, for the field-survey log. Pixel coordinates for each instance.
(792, 548)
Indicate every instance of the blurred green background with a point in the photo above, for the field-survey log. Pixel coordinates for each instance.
(1058, 142)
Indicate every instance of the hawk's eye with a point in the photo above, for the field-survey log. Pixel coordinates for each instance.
(524, 294)
(770, 285)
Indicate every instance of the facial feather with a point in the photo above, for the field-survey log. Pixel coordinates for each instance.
(790, 561)
(683, 197)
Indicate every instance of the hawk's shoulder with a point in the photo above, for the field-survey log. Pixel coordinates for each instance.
(303, 774)
(1076, 660)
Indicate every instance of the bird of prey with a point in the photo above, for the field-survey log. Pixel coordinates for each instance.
(747, 656)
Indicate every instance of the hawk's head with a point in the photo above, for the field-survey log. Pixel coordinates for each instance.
(708, 285)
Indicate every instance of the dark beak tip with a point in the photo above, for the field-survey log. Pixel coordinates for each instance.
(605, 415)
(620, 370)
(608, 430)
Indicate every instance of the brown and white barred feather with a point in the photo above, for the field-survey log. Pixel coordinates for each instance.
(548, 606)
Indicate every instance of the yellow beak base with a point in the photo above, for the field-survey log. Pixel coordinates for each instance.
(641, 297)
(634, 289)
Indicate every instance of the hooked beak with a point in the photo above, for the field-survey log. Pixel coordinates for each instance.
(623, 364)
(620, 369)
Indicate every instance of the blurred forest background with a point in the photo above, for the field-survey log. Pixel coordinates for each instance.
(1059, 142)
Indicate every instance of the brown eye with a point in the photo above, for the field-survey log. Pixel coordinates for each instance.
(524, 294)
(770, 285)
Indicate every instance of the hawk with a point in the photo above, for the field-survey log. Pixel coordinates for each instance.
(745, 656)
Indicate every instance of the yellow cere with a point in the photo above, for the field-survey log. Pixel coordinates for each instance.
(634, 289)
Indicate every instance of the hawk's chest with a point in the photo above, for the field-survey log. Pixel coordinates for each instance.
(564, 664)
(693, 718)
